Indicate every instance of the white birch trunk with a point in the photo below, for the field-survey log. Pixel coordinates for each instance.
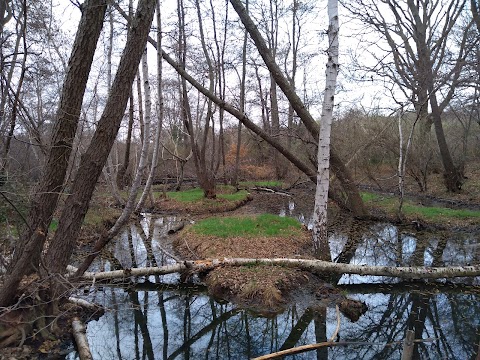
(402, 160)
(320, 238)
(314, 266)
(158, 130)
(79, 334)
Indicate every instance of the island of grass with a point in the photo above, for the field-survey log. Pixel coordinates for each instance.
(192, 201)
(263, 288)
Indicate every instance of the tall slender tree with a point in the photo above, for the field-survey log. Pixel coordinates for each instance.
(320, 236)
(30, 245)
(95, 157)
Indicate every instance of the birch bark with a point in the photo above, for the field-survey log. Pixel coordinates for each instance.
(158, 129)
(320, 237)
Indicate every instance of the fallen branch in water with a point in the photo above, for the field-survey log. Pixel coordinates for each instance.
(80, 337)
(310, 347)
(313, 266)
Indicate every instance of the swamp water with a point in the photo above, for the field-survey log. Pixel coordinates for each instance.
(157, 319)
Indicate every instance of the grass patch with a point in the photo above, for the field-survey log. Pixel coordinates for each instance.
(267, 183)
(411, 209)
(437, 213)
(237, 196)
(262, 225)
(190, 195)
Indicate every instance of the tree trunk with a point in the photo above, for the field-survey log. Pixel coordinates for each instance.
(21, 34)
(158, 131)
(340, 171)
(96, 155)
(111, 171)
(123, 180)
(452, 175)
(236, 169)
(320, 237)
(80, 336)
(352, 200)
(122, 175)
(30, 245)
(314, 266)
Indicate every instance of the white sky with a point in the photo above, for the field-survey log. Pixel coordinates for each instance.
(366, 95)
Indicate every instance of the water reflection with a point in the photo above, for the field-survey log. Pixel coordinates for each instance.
(162, 321)
(169, 325)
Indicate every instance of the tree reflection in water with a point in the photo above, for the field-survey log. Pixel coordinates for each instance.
(163, 321)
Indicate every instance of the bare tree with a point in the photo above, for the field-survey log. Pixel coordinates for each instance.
(353, 199)
(94, 159)
(234, 179)
(421, 60)
(320, 237)
(30, 245)
(159, 122)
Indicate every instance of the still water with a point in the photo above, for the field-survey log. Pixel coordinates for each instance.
(157, 319)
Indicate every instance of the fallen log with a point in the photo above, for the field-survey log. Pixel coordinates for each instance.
(80, 337)
(273, 191)
(313, 266)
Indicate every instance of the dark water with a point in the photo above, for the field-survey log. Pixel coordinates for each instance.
(158, 320)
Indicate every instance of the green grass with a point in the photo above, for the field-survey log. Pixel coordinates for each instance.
(369, 197)
(237, 196)
(410, 208)
(436, 213)
(262, 225)
(193, 195)
(270, 183)
(186, 195)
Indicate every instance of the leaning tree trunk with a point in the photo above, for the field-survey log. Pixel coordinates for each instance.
(106, 237)
(96, 155)
(354, 200)
(320, 236)
(29, 248)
